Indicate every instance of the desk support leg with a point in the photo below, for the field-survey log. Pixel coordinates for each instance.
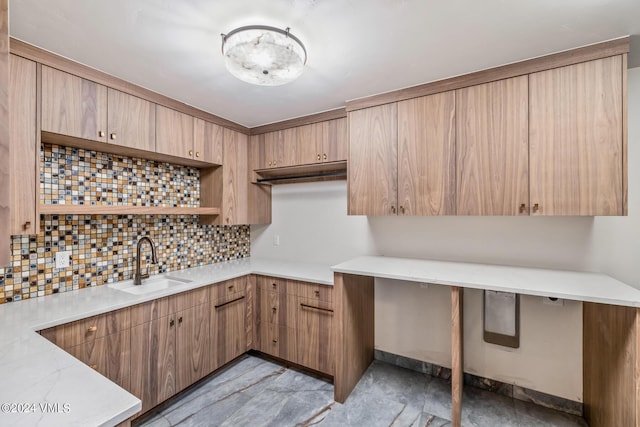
(353, 331)
(457, 377)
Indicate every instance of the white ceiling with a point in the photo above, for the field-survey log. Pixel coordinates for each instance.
(356, 47)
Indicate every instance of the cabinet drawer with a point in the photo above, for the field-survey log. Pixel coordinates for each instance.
(278, 341)
(186, 300)
(315, 342)
(81, 331)
(271, 284)
(313, 291)
(228, 288)
(275, 308)
(152, 310)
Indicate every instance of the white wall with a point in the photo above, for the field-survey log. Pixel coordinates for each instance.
(313, 226)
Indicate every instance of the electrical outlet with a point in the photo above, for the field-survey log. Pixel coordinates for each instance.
(276, 240)
(63, 259)
(553, 301)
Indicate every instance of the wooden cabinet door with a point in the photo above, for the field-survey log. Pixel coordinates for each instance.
(259, 196)
(373, 162)
(193, 347)
(229, 329)
(235, 178)
(274, 149)
(24, 149)
(174, 133)
(109, 355)
(426, 155)
(493, 148)
(289, 147)
(336, 141)
(73, 106)
(310, 144)
(576, 125)
(132, 121)
(153, 361)
(208, 141)
(314, 336)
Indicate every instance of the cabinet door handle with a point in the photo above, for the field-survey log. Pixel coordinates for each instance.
(275, 285)
(92, 329)
(274, 309)
(112, 136)
(393, 209)
(171, 323)
(197, 154)
(94, 367)
(191, 153)
(180, 319)
(27, 225)
(231, 287)
(318, 157)
(536, 208)
(402, 210)
(523, 208)
(274, 163)
(324, 156)
(228, 302)
(316, 293)
(275, 340)
(269, 163)
(311, 307)
(101, 134)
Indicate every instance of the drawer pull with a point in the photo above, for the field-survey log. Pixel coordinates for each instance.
(27, 225)
(171, 323)
(274, 309)
(324, 157)
(228, 302)
(180, 319)
(275, 285)
(231, 287)
(316, 293)
(310, 307)
(113, 136)
(101, 134)
(92, 329)
(275, 340)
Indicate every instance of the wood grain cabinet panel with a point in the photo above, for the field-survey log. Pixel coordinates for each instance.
(25, 152)
(153, 361)
(576, 139)
(228, 328)
(426, 155)
(131, 121)
(493, 148)
(193, 352)
(273, 149)
(336, 141)
(259, 204)
(73, 106)
(109, 355)
(314, 340)
(174, 132)
(373, 163)
(228, 288)
(310, 143)
(235, 179)
(208, 141)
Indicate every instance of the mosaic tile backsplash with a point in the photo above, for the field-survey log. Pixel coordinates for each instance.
(103, 246)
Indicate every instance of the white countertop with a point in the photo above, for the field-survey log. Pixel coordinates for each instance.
(571, 285)
(38, 372)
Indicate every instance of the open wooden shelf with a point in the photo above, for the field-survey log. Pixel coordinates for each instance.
(124, 210)
(311, 172)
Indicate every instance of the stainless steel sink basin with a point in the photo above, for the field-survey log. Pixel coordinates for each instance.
(153, 284)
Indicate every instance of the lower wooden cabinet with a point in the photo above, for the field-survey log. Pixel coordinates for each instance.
(228, 328)
(315, 347)
(156, 349)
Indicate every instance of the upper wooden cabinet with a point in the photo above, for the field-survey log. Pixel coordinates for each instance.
(373, 161)
(174, 133)
(576, 139)
(73, 106)
(426, 155)
(79, 108)
(24, 147)
(492, 147)
(208, 141)
(235, 179)
(336, 141)
(310, 143)
(132, 121)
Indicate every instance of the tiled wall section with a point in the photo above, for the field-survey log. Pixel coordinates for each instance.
(103, 246)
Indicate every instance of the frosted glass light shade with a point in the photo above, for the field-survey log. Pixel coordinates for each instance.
(262, 55)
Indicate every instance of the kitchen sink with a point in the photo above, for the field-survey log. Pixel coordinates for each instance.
(152, 284)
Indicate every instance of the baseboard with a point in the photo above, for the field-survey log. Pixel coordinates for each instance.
(498, 387)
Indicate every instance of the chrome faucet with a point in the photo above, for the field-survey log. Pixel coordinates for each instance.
(137, 276)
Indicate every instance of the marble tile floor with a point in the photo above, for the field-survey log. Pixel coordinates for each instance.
(255, 392)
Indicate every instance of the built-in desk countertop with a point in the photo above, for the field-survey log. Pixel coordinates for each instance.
(572, 285)
(611, 325)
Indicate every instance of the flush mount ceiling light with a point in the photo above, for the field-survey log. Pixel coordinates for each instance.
(263, 55)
